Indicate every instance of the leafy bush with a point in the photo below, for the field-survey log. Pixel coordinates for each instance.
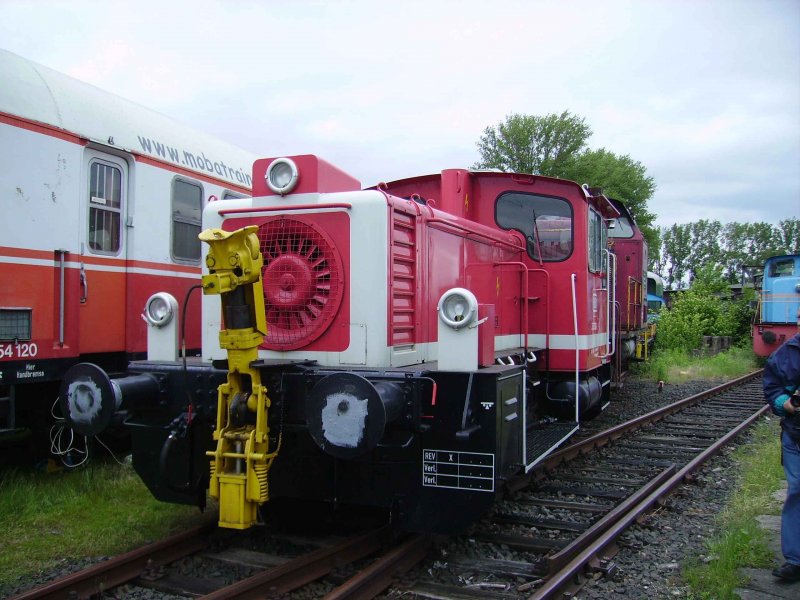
(692, 315)
(676, 332)
(702, 310)
(741, 313)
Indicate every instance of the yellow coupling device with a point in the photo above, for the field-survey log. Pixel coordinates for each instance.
(242, 459)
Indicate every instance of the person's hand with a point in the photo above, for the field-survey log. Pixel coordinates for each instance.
(789, 407)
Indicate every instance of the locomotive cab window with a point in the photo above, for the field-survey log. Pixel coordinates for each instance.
(782, 268)
(597, 241)
(187, 206)
(623, 228)
(105, 207)
(545, 221)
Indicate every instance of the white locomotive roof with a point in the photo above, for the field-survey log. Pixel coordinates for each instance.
(37, 93)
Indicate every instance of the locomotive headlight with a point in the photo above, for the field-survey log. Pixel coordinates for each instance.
(282, 175)
(159, 309)
(458, 308)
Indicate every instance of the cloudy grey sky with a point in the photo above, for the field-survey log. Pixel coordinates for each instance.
(704, 93)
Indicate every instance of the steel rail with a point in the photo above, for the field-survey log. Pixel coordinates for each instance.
(120, 569)
(304, 569)
(563, 557)
(577, 565)
(379, 575)
(604, 437)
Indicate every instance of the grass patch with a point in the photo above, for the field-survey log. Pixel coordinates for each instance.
(677, 366)
(741, 542)
(101, 510)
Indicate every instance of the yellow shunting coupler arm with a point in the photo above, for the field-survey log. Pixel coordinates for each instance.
(240, 464)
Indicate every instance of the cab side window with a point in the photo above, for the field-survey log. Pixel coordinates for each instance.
(623, 228)
(545, 221)
(187, 206)
(597, 241)
(782, 268)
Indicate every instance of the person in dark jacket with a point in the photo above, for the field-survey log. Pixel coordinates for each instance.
(781, 383)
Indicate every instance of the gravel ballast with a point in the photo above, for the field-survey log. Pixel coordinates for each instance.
(651, 553)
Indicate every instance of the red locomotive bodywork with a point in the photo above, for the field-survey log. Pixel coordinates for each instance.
(630, 249)
(533, 298)
(544, 275)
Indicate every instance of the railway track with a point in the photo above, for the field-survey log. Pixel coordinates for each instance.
(215, 565)
(560, 523)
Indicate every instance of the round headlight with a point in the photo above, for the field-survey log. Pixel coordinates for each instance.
(160, 308)
(458, 308)
(282, 175)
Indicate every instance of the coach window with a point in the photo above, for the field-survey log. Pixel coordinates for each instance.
(597, 241)
(546, 223)
(187, 205)
(105, 207)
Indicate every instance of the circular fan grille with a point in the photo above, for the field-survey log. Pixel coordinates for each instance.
(303, 282)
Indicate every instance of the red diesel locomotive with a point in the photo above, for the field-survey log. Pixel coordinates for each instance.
(635, 336)
(414, 344)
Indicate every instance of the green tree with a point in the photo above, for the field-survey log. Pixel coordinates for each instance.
(788, 233)
(709, 279)
(556, 145)
(533, 144)
(676, 244)
(704, 247)
(762, 241)
(735, 251)
(655, 261)
(659, 259)
(733, 246)
(620, 177)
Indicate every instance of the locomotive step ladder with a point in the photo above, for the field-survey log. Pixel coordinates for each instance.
(543, 438)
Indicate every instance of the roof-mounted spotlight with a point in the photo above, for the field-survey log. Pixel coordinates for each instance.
(282, 176)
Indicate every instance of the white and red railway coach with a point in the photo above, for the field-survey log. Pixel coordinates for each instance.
(425, 339)
(102, 202)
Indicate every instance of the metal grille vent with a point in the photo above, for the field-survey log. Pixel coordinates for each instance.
(303, 282)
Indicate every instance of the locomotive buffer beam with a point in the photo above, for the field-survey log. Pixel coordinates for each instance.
(242, 458)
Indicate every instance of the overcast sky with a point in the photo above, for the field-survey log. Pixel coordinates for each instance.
(704, 93)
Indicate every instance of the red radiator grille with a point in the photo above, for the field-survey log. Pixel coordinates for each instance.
(402, 316)
(303, 282)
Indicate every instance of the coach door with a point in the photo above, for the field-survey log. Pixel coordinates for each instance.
(102, 271)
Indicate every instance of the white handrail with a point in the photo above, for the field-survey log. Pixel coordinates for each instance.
(611, 300)
(577, 349)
